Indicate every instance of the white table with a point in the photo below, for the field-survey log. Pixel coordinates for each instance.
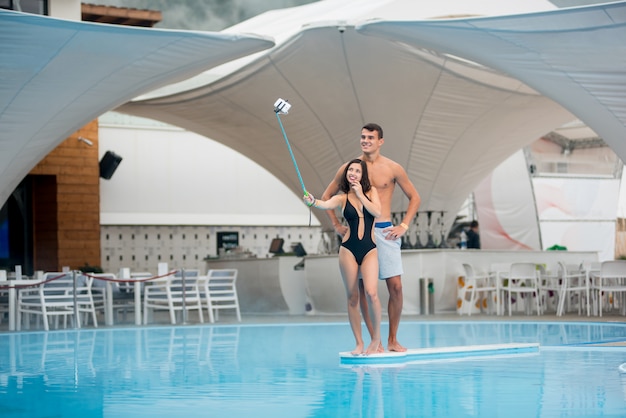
(108, 307)
(13, 285)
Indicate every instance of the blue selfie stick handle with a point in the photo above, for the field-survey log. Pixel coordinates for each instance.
(293, 158)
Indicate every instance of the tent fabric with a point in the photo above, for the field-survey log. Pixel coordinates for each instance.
(283, 24)
(578, 213)
(507, 221)
(448, 121)
(57, 75)
(575, 56)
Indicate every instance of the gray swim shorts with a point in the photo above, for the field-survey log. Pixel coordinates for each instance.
(389, 253)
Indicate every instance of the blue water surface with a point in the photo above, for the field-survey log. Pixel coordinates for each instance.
(294, 371)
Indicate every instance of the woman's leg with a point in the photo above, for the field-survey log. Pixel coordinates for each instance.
(369, 272)
(349, 270)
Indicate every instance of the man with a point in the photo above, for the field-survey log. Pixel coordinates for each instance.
(384, 174)
(473, 236)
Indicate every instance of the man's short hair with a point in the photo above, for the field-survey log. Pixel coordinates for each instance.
(474, 224)
(374, 127)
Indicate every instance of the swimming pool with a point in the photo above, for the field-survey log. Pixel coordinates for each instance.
(294, 371)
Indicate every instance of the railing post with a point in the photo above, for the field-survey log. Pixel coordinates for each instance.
(108, 300)
(12, 299)
(182, 275)
(76, 318)
(138, 306)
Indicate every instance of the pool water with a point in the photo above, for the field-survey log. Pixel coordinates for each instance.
(294, 371)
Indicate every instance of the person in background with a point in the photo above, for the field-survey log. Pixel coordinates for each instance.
(473, 236)
(384, 174)
(360, 204)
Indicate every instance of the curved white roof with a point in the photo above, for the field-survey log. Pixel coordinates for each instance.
(448, 120)
(57, 75)
(454, 96)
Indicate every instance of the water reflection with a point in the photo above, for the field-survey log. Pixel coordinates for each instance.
(545, 333)
(368, 398)
(295, 371)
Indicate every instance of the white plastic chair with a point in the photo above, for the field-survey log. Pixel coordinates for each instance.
(54, 297)
(523, 278)
(220, 292)
(550, 286)
(610, 283)
(172, 293)
(500, 271)
(574, 288)
(98, 290)
(479, 286)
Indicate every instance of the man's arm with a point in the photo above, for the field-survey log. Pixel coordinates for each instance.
(409, 190)
(331, 190)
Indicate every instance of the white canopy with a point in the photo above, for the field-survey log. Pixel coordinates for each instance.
(575, 56)
(57, 75)
(450, 122)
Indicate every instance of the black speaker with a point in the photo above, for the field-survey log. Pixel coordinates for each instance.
(108, 164)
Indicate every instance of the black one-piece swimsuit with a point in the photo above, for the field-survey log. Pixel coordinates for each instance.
(359, 247)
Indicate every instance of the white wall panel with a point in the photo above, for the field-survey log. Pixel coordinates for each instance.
(141, 248)
(168, 176)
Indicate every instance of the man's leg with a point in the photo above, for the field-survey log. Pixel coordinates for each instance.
(390, 270)
(394, 310)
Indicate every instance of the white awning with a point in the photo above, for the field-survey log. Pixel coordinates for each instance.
(576, 56)
(57, 75)
(447, 120)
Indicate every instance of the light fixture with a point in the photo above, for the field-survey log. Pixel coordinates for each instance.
(86, 141)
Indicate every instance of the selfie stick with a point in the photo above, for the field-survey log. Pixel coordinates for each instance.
(281, 106)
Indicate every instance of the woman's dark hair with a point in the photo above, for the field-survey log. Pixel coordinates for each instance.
(365, 180)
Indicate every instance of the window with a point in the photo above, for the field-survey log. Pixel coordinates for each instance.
(38, 7)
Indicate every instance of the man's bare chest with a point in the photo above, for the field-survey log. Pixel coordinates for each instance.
(382, 179)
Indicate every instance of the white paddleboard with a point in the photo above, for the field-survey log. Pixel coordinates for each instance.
(413, 354)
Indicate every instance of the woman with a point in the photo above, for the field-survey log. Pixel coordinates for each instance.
(360, 204)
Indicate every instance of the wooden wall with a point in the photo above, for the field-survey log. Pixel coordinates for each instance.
(66, 212)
